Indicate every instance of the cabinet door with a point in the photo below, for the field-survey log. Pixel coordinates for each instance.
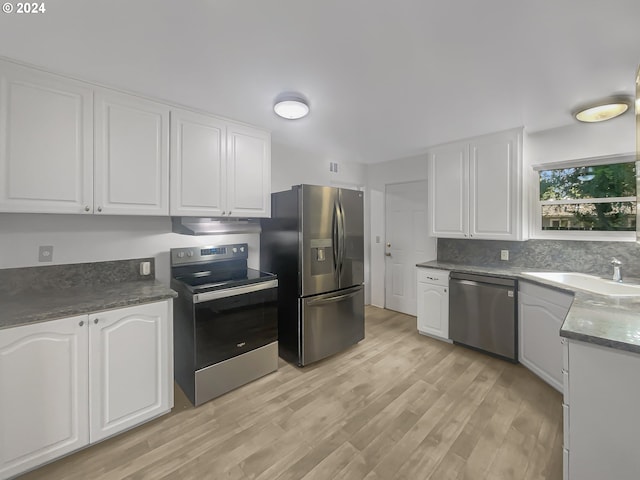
(130, 375)
(132, 155)
(494, 194)
(198, 165)
(46, 142)
(43, 392)
(248, 172)
(448, 191)
(433, 310)
(540, 349)
(603, 415)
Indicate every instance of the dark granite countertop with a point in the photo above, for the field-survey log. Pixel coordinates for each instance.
(599, 319)
(38, 294)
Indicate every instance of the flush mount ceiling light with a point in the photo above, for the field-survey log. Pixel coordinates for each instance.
(291, 106)
(602, 110)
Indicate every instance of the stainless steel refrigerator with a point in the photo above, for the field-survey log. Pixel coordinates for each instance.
(314, 242)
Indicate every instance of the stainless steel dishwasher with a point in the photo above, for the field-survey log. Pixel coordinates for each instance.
(483, 313)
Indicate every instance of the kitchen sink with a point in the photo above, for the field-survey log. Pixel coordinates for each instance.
(587, 283)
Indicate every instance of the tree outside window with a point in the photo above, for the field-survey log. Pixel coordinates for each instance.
(589, 198)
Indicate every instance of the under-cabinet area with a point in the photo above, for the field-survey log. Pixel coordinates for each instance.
(75, 147)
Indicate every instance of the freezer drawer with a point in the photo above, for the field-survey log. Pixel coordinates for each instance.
(331, 323)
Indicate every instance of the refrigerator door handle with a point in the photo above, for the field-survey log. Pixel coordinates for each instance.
(342, 239)
(336, 240)
(337, 298)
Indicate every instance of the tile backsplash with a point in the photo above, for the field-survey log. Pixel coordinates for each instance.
(561, 255)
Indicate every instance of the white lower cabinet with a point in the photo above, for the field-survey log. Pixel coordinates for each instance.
(130, 377)
(67, 383)
(433, 302)
(603, 420)
(44, 399)
(541, 312)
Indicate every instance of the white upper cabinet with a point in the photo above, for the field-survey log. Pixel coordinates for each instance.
(218, 168)
(131, 155)
(495, 196)
(198, 164)
(248, 172)
(49, 126)
(46, 142)
(477, 188)
(448, 191)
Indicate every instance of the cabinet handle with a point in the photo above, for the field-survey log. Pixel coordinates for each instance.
(95, 320)
(81, 323)
(86, 208)
(99, 209)
(445, 290)
(223, 212)
(229, 212)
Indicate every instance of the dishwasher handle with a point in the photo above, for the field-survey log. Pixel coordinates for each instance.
(475, 279)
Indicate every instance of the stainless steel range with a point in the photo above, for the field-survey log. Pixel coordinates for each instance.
(225, 320)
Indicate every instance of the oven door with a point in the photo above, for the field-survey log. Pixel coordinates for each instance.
(234, 321)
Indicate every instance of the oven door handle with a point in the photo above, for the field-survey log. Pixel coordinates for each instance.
(231, 292)
(337, 298)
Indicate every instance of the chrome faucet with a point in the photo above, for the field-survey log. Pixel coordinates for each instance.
(617, 269)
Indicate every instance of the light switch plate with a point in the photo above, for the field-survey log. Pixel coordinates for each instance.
(504, 254)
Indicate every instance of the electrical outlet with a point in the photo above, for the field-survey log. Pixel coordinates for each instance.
(504, 254)
(145, 268)
(45, 253)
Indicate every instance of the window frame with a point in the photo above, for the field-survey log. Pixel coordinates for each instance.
(536, 231)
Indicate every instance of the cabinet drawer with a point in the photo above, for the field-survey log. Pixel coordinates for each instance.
(433, 276)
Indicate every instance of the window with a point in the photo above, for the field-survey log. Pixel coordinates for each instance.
(591, 200)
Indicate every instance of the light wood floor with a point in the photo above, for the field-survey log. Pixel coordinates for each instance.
(397, 405)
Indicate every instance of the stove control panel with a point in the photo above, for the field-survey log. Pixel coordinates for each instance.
(187, 255)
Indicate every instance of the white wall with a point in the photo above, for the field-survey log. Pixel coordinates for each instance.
(293, 166)
(582, 140)
(379, 175)
(94, 238)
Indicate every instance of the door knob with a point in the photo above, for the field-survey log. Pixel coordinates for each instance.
(388, 245)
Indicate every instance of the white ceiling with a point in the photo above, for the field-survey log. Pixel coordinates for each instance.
(385, 79)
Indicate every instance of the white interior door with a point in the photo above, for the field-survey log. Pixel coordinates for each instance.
(406, 243)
